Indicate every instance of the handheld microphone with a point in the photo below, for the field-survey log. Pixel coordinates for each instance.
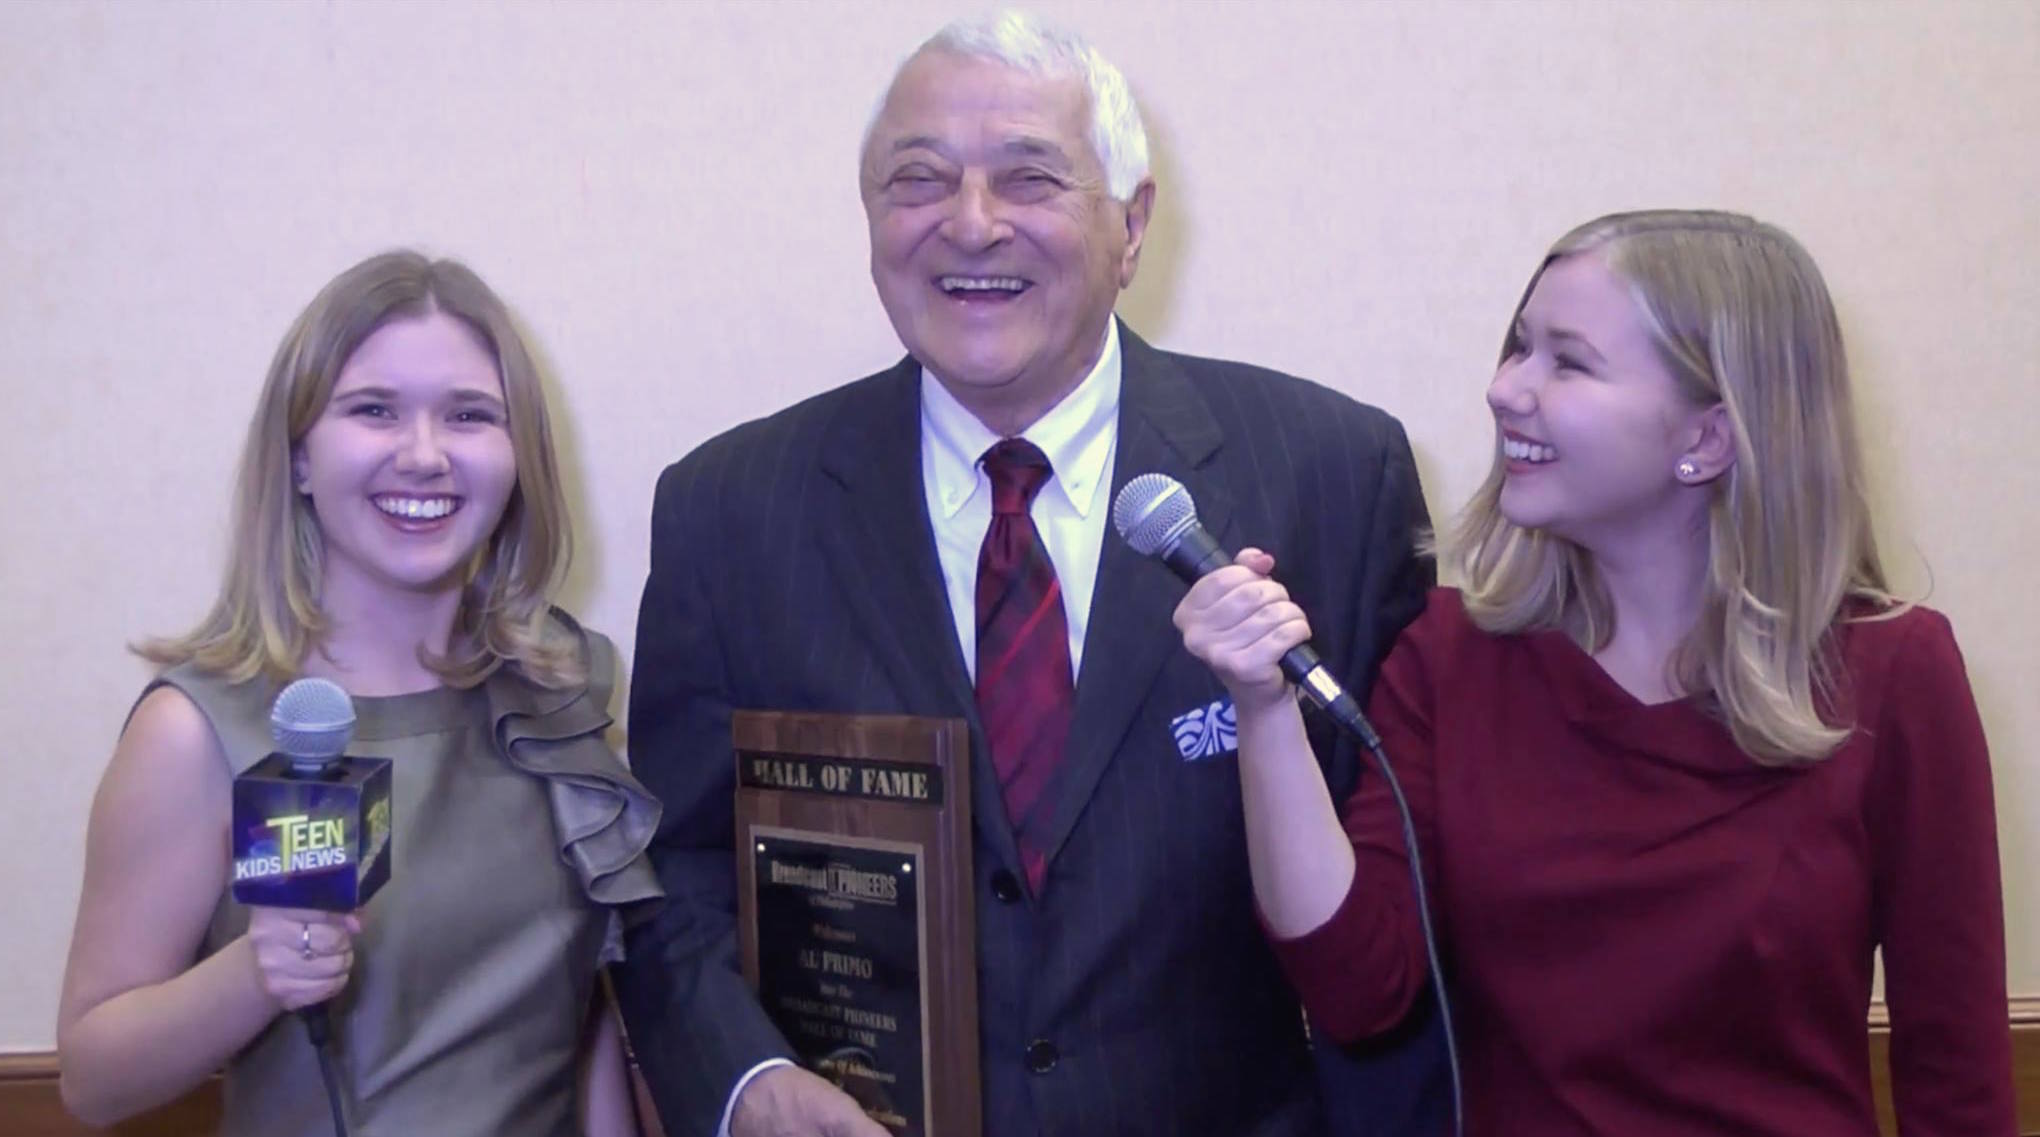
(1158, 518)
(311, 827)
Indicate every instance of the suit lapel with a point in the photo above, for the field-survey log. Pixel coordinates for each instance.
(1165, 426)
(877, 544)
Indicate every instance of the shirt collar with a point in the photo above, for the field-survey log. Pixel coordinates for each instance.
(1076, 434)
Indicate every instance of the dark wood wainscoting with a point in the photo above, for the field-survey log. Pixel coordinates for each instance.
(30, 1107)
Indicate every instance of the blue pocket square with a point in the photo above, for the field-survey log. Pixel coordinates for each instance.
(1204, 732)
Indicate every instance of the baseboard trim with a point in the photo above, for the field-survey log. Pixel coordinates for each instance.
(32, 1107)
(2025, 1011)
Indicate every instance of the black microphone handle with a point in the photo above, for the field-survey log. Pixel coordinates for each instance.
(1195, 555)
(318, 1024)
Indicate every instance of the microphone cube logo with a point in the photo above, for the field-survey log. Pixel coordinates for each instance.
(375, 832)
(311, 842)
(296, 843)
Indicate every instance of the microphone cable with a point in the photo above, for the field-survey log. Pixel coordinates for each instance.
(318, 1026)
(1355, 723)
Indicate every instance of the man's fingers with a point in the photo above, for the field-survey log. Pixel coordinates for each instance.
(853, 1123)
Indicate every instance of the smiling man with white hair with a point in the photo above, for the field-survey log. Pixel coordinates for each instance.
(930, 540)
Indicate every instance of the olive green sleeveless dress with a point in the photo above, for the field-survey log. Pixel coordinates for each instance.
(518, 840)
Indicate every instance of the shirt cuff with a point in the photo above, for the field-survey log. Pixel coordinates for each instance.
(729, 1108)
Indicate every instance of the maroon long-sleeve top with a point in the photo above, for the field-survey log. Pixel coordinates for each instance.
(1646, 932)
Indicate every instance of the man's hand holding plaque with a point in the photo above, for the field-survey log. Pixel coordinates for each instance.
(787, 1101)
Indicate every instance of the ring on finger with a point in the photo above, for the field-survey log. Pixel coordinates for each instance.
(304, 940)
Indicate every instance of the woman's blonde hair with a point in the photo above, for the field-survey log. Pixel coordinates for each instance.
(1742, 319)
(267, 618)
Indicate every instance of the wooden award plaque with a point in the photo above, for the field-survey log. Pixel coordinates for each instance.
(855, 915)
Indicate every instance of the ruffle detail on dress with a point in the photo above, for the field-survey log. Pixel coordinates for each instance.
(605, 818)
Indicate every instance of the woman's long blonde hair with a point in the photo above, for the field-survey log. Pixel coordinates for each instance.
(267, 618)
(1742, 318)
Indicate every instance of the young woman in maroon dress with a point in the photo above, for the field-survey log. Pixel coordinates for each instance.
(1679, 764)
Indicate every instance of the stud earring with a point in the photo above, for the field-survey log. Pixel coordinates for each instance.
(1688, 470)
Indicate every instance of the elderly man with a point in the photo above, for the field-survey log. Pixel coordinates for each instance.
(931, 540)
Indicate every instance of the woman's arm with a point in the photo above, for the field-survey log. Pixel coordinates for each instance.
(1298, 854)
(1937, 897)
(607, 1107)
(1334, 892)
(1240, 623)
(139, 1022)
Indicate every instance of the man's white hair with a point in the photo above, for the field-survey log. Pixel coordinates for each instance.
(1027, 43)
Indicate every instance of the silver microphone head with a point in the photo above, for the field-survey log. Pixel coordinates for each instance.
(1152, 512)
(312, 721)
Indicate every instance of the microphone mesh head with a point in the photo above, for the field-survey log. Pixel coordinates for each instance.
(312, 721)
(1152, 511)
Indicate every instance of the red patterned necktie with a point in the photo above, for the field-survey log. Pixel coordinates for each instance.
(1024, 689)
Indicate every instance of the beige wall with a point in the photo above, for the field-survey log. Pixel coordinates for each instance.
(1353, 192)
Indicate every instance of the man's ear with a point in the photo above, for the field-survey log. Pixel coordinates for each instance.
(1139, 208)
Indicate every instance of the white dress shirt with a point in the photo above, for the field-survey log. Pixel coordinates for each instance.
(1079, 435)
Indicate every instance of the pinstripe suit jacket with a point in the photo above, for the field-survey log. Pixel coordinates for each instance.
(793, 567)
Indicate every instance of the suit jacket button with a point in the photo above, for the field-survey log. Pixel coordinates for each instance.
(1006, 887)
(1041, 1056)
